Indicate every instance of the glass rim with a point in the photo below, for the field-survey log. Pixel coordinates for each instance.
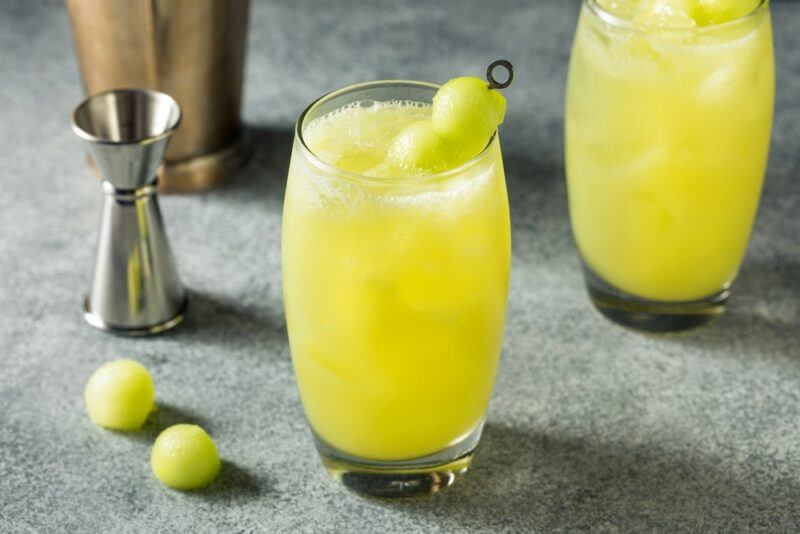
(617, 21)
(372, 180)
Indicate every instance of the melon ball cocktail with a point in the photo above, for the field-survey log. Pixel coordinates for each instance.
(395, 251)
(668, 118)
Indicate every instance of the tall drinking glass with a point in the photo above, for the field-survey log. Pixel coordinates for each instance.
(667, 134)
(395, 293)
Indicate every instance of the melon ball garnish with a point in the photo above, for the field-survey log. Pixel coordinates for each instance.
(119, 395)
(419, 148)
(466, 112)
(185, 457)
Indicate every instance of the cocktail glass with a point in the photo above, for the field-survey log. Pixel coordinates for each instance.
(667, 135)
(395, 294)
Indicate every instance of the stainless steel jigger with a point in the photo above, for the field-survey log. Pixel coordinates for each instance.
(136, 289)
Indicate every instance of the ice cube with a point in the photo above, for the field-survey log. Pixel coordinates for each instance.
(666, 14)
(720, 84)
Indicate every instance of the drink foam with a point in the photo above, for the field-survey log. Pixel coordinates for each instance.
(356, 138)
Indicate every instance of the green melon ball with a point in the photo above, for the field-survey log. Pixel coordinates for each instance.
(419, 148)
(466, 113)
(119, 395)
(185, 457)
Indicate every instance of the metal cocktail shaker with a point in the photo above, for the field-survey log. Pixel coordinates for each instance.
(191, 49)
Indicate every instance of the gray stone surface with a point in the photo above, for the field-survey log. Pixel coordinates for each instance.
(591, 426)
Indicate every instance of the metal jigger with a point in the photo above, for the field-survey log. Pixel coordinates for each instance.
(136, 289)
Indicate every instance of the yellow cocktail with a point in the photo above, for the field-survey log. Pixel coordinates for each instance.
(395, 283)
(668, 117)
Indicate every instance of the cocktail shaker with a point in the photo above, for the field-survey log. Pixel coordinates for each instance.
(193, 50)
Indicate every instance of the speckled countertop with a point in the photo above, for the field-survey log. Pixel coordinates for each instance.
(591, 426)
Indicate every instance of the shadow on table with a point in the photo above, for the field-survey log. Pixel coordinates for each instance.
(537, 194)
(763, 316)
(234, 483)
(536, 184)
(226, 321)
(164, 416)
(218, 319)
(263, 177)
(523, 479)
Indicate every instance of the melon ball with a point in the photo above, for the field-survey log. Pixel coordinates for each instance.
(466, 113)
(119, 395)
(419, 148)
(185, 457)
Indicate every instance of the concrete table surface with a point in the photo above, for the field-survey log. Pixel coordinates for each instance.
(591, 426)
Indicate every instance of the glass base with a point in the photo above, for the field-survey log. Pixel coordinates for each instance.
(402, 478)
(649, 315)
